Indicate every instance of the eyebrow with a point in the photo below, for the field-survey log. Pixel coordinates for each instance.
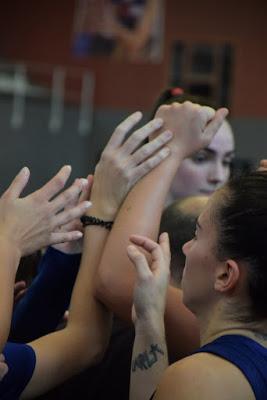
(212, 152)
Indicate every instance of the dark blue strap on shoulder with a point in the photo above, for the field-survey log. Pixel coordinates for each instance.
(21, 361)
(249, 356)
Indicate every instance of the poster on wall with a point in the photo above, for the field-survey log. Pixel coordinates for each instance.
(129, 30)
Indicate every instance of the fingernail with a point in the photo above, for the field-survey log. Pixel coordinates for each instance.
(24, 170)
(78, 235)
(138, 114)
(87, 204)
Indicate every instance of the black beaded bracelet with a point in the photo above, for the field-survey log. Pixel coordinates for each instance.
(89, 220)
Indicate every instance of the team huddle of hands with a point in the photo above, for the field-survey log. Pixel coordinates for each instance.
(51, 215)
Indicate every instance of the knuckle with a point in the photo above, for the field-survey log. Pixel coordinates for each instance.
(59, 181)
(146, 150)
(105, 156)
(139, 135)
(70, 194)
(120, 130)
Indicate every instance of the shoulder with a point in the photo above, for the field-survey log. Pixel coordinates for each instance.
(203, 376)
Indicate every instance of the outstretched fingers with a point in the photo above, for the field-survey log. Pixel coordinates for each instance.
(146, 166)
(69, 196)
(18, 184)
(122, 129)
(137, 138)
(57, 183)
(69, 214)
(150, 148)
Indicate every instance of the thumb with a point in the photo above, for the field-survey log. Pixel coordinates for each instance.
(216, 122)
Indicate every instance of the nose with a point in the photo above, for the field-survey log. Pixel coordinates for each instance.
(186, 247)
(217, 174)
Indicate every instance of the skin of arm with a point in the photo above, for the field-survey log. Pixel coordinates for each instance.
(10, 257)
(200, 376)
(25, 227)
(85, 338)
(140, 214)
(203, 376)
(150, 355)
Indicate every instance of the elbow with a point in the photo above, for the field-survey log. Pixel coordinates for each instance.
(103, 285)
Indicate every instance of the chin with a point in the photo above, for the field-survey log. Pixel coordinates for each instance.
(187, 303)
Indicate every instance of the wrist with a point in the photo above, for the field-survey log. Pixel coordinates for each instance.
(7, 246)
(101, 211)
(150, 326)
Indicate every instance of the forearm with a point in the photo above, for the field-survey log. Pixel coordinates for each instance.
(88, 317)
(44, 303)
(10, 257)
(83, 341)
(149, 359)
(139, 214)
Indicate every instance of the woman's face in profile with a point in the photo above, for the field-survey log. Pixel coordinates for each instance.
(208, 169)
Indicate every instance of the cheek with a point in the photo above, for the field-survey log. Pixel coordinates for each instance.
(227, 175)
(189, 179)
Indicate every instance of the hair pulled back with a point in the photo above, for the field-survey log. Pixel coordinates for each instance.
(242, 233)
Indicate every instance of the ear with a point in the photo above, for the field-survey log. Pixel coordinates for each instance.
(227, 276)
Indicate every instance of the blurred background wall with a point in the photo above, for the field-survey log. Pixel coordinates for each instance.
(40, 33)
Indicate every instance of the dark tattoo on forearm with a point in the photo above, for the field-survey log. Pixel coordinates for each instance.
(146, 359)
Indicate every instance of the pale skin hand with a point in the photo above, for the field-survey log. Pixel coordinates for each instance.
(193, 125)
(141, 213)
(123, 162)
(150, 356)
(87, 331)
(30, 223)
(75, 246)
(151, 279)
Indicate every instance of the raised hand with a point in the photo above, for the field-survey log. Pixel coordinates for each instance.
(75, 246)
(31, 223)
(125, 161)
(193, 125)
(152, 278)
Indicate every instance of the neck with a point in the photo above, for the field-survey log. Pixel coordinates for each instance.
(215, 324)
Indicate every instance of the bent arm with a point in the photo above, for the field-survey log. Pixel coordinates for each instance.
(85, 338)
(193, 127)
(140, 214)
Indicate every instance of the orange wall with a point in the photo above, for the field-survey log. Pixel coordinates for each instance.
(40, 31)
